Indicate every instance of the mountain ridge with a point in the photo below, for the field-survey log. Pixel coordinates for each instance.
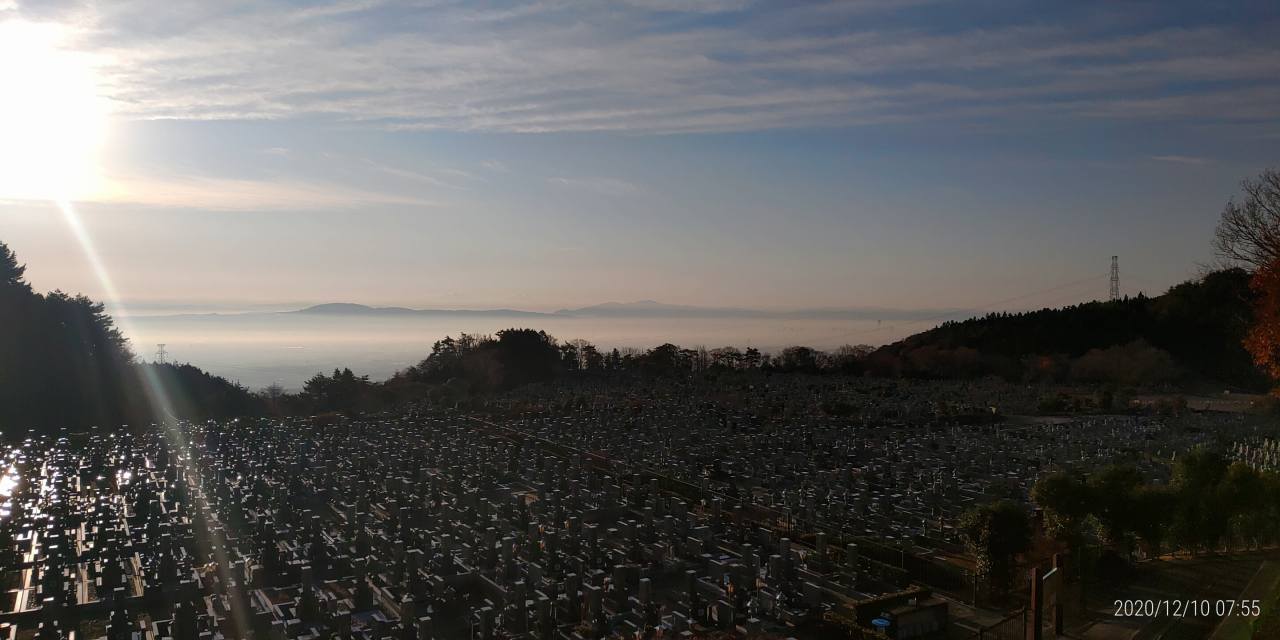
(351, 308)
(638, 309)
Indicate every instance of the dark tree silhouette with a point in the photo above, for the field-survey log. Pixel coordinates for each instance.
(63, 363)
(11, 273)
(1249, 230)
(1200, 324)
(996, 533)
(1066, 501)
(343, 391)
(1208, 505)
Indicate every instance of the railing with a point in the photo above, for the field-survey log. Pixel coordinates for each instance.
(1013, 627)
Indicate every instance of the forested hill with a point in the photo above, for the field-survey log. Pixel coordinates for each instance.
(63, 363)
(1199, 324)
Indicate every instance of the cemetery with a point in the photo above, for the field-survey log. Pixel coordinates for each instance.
(676, 519)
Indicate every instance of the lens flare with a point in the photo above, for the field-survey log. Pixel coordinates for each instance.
(159, 403)
(53, 118)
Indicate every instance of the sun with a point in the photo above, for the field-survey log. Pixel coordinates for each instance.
(52, 118)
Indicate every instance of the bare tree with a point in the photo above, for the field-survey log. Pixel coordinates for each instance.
(1249, 231)
(853, 352)
(583, 349)
(701, 358)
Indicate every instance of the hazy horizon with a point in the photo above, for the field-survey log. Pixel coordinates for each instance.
(287, 345)
(541, 155)
(257, 351)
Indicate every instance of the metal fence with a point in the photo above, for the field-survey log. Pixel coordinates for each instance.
(1013, 627)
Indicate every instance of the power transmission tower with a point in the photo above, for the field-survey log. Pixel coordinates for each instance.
(160, 354)
(1115, 278)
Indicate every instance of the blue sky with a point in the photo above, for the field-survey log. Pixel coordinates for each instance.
(909, 154)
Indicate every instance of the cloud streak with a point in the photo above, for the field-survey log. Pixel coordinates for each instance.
(233, 194)
(654, 66)
(598, 185)
(1181, 159)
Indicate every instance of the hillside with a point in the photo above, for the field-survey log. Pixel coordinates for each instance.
(1199, 324)
(63, 363)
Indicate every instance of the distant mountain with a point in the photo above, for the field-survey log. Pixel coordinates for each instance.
(653, 309)
(639, 310)
(351, 309)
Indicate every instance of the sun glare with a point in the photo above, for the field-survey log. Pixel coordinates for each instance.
(52, 118)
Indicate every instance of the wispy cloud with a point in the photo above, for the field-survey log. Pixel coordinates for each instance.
(1182, 159)
(602, 186)
(659, 66)
(228, 194)
(691, 6)
(417, 176)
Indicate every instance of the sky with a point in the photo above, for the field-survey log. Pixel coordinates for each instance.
(905, 154)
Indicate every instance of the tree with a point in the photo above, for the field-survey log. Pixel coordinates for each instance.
(1199, 324)
(849, 358)
(580, 355)
(526, 355)
(444, 362)
(1066, 503)
(799, 359)
(592, 359)
(663, 359)
(1153, 508)
(1133, 364)
(1112, 492)
(64, 363)
(1201, 519)
(1243, 494)
(726, 357)
(570, 356)
(11, 273)
(995, 534)
(1263, 337)
(342, 391)
(1249, 231)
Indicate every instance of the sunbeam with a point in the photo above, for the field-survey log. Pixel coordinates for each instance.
(158, 400)
(160, 405)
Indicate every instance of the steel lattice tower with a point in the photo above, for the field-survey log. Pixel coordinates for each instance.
(1115, 278)
(161, 353)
